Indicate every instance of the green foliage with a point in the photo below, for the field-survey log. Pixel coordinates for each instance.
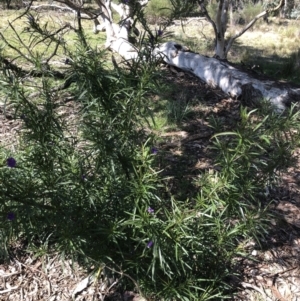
(250, 11)
(158, 9)
(291, 67)
(178, 110)
(252, 157)
(84, 179)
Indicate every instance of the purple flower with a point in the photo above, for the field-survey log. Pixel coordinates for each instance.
(150, 210)
(151, 39)
(126, 1)
(154, 150)
(159, 33)
(11, 162)
(11, 216)
(150, 244)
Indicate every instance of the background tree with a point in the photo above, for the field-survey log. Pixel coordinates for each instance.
(220, 24)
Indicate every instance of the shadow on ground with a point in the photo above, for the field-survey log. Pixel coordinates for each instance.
(277, 67)
(271, 268)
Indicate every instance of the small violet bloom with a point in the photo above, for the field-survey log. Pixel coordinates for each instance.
(126, 1)
(150, 244)
(159, 33)
(150, 210)
(11, 216)
(154, 150)
(11, 162)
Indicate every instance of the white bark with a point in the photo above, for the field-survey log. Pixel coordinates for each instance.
(118, 34)
(230, 80)
(221, 25)
(121, 44)
(223, 46)
(122, 9)
(214, 72)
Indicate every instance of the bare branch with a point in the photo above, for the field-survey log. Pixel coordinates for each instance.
(24, 13)
(251, 23)
(61, 87)
(76, 7)
(207, 16)
(16, 48)
(34, 73)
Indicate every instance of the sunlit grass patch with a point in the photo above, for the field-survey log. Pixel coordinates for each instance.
(156, 10)
(26, 39)
(250, 11)
(290, 30)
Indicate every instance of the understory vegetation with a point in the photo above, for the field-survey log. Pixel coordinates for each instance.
(87, 177)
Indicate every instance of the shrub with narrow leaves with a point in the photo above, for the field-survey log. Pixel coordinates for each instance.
(89, 184)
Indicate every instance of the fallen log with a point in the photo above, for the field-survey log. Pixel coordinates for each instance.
(234, 82)
(215, 72)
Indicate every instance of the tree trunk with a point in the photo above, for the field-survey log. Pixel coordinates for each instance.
(236, 83)
(117, 35)
(221, 25)
(222, 46)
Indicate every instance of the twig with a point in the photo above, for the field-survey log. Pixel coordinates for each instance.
(25, 12)
(33, 269)
(9, 290)
(112, 286)
(280, 273)
(248, 285)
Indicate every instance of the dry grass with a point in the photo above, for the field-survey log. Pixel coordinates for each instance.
(272, 46)
(263, 38)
